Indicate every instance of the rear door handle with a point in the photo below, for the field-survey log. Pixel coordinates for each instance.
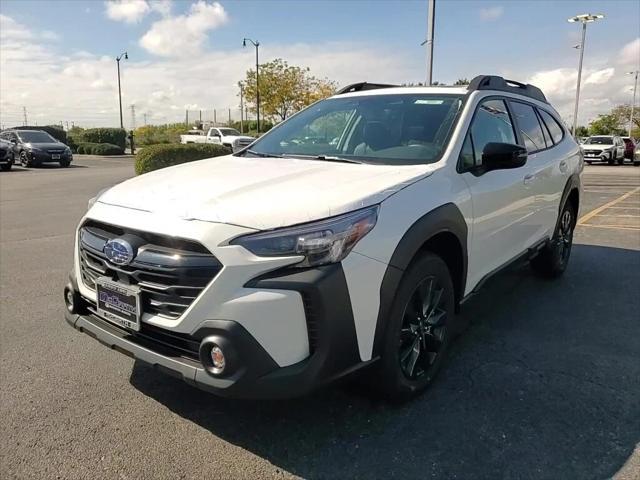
(529, 178)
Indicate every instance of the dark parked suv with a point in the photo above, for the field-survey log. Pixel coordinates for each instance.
(6, 155)
(35, 147)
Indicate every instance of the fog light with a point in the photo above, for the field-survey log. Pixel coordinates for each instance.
(217, 357)
(69, 299)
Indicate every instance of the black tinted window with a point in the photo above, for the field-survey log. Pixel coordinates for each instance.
(554, 127)
(491, 123)
(529, 126)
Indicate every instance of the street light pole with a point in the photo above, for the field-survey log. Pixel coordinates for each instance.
(255, 44)
(125, 56)
(633, 104)
(430, 26)
(584, 19)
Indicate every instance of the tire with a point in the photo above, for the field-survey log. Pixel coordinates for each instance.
(5, 167)
(24, 159)
(621, 160)
(419, 330)
(589, 162)
(552, 261)
(612, 159)
(65, 163)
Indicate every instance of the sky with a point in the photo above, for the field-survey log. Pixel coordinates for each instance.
(57, 58)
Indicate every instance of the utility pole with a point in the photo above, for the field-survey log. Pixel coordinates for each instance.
(215, 120)
(241, 108)
(633, 104)
(144, 116)
(200, 116)
(24, 114)
(229, 117)
(133, 116)
(186, 117)
(429, 41)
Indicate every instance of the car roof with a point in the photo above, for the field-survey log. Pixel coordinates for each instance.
(457, 90)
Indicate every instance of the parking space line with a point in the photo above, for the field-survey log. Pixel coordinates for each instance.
(615, 227)
(593, 213)
(622, 215)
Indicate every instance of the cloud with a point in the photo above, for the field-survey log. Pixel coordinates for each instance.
(630, 54)
(129, 11)
(599, 77)
(174, 36)
(491, 13)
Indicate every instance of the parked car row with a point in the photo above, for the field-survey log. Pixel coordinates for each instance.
(32, 148)
(609, 148)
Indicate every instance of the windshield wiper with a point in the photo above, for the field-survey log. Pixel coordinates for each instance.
(326, 158)
(264, 155)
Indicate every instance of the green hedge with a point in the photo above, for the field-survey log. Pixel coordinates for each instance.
(114, 136)
(56, 132)
(155, 157)
(88, 148)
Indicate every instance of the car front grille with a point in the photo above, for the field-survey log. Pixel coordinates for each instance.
(592, 152)
(170, 272)
(241, 143)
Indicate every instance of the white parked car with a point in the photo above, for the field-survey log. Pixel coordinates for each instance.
(229, 137)
(303, 259)
(603, 148)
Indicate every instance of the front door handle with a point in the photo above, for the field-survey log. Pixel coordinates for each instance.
(528, 178)
(563, 166)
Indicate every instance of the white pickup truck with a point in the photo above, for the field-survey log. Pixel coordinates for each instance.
(229, 137)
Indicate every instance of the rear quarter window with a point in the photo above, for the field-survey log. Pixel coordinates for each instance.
(553, 126)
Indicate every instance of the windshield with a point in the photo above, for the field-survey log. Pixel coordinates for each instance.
(599, 141)
(229, 131)
(36, 137)
(405, 129)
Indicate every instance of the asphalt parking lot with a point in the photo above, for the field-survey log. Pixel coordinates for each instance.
(544, 384)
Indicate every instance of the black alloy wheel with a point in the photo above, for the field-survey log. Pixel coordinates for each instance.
(418, 330)
(424, 329)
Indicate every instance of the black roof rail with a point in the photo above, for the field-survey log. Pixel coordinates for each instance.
(494, 82)
(360, 86)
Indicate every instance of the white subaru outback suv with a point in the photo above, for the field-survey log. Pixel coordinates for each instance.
(346, 237)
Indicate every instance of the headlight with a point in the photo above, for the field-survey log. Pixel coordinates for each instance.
(326, 241)
(93, 200)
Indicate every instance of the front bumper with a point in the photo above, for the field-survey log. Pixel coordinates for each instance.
(252, 372)
(46, 157)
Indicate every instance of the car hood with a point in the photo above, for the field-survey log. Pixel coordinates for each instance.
(599, 147)
(262, 193)
(47, 145)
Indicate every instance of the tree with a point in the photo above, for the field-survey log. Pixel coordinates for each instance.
(623, 113)
(608, 124)
(462, 81)
(284, 89)
(582, 131)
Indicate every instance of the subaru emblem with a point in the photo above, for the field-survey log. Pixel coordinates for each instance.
(118, 251)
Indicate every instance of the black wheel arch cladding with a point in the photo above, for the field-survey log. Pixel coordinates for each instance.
(446, 219)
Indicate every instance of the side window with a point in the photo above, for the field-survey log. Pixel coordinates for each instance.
(467, 160)
(552, 124)
(491, 124)
(529, 126)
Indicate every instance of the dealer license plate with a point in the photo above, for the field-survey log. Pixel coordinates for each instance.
(118, 303)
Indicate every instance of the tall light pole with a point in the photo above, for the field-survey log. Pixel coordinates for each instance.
(255, 44)
(633, 104)
(429, 41)
(584, 19)
(126, 57)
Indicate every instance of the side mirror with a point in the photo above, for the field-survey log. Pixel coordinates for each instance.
(501, 156)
